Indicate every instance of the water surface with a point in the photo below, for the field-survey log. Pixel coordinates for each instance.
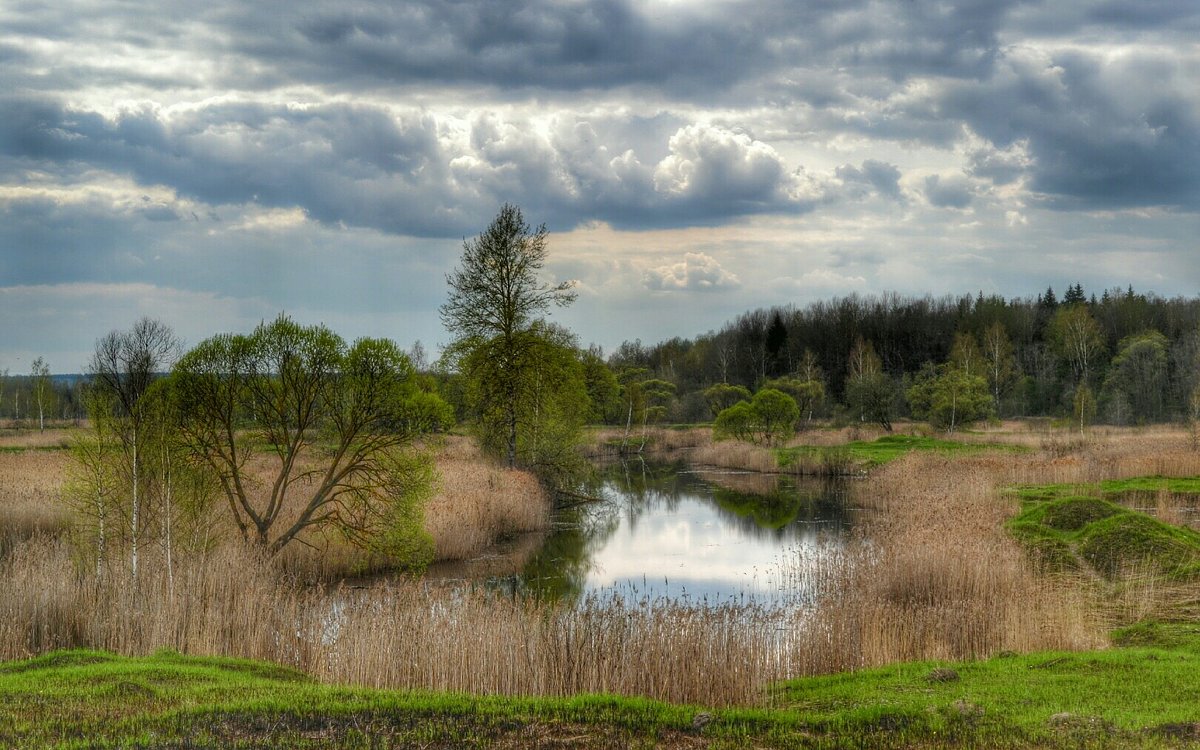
(688, 534)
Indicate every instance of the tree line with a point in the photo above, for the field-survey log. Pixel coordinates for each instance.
(1130, 357)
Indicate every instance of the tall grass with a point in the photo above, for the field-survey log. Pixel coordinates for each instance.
(478, 502)
(30, 488)
(935, 576)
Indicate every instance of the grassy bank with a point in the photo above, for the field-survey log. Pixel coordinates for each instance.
(1142, 694)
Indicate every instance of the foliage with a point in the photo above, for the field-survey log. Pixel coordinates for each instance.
(770, 417)
(123, 367)
(869, 391)
(603, 389)
(999, 364)
(495, 302)
(948, 397)
(1136, 385)
(549, 400)
(337, 422)
(42, 391)
(721, 396)
(808, 394)
(1078, 339)
(965, 355)
(645, 400)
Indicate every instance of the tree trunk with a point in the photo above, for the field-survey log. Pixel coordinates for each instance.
(134, 516)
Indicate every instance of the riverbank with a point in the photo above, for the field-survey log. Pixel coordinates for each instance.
(822, 451)
(1140, 694)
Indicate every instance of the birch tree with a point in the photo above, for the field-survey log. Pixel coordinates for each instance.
(123, 366)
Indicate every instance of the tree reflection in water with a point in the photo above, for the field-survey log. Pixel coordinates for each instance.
(665, 529)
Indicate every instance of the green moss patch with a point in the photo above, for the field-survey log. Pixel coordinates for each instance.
(1065, 530)
(868, 454)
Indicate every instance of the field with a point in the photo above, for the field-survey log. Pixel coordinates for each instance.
(946, 578)
(1139, 694)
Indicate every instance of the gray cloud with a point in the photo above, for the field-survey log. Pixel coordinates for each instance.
(875, 175)
(1100, 132)
(951, 192)
(362, 166)
(309, 155)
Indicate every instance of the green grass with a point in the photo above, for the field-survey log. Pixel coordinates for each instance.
(1143, 694)
(1064, 528)
(869, 454)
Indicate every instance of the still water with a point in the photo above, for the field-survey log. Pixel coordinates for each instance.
(683, 533)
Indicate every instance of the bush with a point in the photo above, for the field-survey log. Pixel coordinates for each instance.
(770, 417)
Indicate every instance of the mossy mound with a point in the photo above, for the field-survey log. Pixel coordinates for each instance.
(1067, 532)
(1074, 513)
(1128, 538)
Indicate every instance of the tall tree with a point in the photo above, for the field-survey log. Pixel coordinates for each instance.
(776, 345)
(869, 391)
(965, 354)
(40, 376)
(1078, 339)
(999, 365)
(1136, 386)
(496, 300)
(337, 422)
(123, 366)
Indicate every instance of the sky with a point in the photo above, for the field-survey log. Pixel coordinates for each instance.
(213, 164)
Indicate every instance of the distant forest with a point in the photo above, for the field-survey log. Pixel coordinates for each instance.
(1137, 356)
(1138, 353)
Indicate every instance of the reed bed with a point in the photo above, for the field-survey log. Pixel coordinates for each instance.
(478, 502)
(31, 485)
(937, 577)
(735, 454)
(934, 577)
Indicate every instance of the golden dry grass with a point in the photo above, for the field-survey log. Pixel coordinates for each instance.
(478, 502)
(937, 577)
(30, 494)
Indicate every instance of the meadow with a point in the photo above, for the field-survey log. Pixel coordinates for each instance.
(939, 576)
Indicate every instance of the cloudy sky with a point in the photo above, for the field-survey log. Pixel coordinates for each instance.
(212, 164)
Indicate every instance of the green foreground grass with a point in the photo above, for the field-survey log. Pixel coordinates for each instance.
(1143, 693)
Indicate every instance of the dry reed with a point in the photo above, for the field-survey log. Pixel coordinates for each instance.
(478, 502)
(937, 577)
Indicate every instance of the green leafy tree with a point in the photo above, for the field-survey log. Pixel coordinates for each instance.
(496, 300)
(998, 362)
(1078, 339)
(807, 394)
(333, 423)
(603, 388)
(769, 418)
(721, 396)
(948, 397)
(123, 367)
(736, 422)
(1137, 378)
(550, 401)
(93, 489)
(42, 392)
(869, 391)
(965, 354)
(645, 401)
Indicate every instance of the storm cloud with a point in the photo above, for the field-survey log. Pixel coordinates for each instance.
(308, 154)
